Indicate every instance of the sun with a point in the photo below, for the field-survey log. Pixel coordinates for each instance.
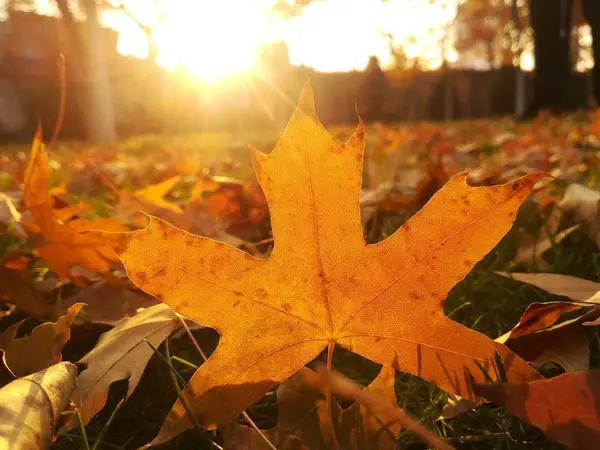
(212, 40)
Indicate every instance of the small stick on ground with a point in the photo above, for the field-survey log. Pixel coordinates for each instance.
(334, 443)
(204, 358)
(346, 388)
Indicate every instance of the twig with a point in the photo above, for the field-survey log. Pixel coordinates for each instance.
(334, 443)
(62, 73)
(349, 389)
(192, 338)
(204, 358)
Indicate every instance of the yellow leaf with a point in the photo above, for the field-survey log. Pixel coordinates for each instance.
(62, 245)
(154, 194)
(36, 193)
(323, 285)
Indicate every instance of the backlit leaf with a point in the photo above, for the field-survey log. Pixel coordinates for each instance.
(322, 283)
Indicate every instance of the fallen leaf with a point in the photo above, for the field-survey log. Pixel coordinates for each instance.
(322, 285)
(577, 289)
(540, 339)
(18, 290)
(69, 212)
(42, 348)
(61, 245)
(155, 193)
(302, 416)
(581, 203)
(565, 343)
(108, 303)
(434, 179)
(564, 407)
(539, 316)
(30, 407)
(36, 190)
(121, 353)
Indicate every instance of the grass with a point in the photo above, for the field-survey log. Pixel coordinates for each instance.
(483, 301)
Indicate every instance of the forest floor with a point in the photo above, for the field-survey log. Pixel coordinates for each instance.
(212, 191)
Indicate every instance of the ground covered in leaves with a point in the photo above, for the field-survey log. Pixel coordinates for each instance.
(204, 184)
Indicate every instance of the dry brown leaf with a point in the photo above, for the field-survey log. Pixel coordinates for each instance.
(538, 339)
(565, 407)
(565, 344)
(42, 348)
(322, 285)
(21, 292)
(539, 316)
(121, 353)
(577, 289)
(302, 417)
(108, 303)
(581, 203)
(30, 407)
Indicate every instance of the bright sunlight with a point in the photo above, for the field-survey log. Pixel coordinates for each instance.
(212, 40)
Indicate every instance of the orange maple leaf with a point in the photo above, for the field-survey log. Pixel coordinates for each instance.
(323, 286)
(61, 244)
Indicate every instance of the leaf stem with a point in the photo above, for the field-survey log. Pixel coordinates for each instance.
(204, 358)
(334, 443)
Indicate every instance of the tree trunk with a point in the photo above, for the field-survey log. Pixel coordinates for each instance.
(520, 85)
(101, 121)
(88, 64)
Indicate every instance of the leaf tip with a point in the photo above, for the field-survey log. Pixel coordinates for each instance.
(306, 102)
(257, 157)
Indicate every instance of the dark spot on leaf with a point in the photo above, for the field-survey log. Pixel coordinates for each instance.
(414, 295)
(142, 277)
(286, 307)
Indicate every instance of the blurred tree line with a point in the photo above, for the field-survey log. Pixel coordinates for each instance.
(485, 35)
